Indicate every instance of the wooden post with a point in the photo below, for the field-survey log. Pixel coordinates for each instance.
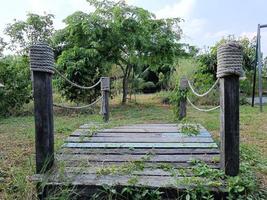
(40, 56)
(259, 54)
(182, 103)
(105, 88)
(229, 69)
(229, 101)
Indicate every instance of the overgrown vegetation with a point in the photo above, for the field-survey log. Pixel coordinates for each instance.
(15, 73)
(142, 54)
(17, 142)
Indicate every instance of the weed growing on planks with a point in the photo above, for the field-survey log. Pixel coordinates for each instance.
(190, 129)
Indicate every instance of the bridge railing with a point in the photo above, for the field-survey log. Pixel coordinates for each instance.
(42, 67)
(229, 70)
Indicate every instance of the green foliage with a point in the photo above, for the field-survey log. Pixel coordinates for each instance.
(123, 35)
(148, 87)
(127, 193)
(25, 33)
(190, 129)
(2, 46)
(15, 75)
(185, 67)
(202, 82)
(81, 66)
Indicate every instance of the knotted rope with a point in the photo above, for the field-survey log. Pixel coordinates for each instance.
(42, 58)
(229, 58)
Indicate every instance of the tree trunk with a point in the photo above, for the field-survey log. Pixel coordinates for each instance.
(125, 83)
(124, 90)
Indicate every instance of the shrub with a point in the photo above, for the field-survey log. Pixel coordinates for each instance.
(15, 75)
(82, 66)
(202, 82)
(149, 87)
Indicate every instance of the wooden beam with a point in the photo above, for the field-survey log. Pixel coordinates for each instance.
(105, 88)
(182, 103)
(44, 126)
(140, 145)
(229, 101)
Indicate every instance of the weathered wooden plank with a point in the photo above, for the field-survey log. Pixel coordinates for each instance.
(84, 132)
(174, 151)
(131, 158)
(140, 130)
(103, 163)
(139, 139)
(113, 180)
(140, 145)
(89, 125)
(153, 126)
(145, 172)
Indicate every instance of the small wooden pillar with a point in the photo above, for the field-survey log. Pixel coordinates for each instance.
(105, 89)
(229, 69)
(182, 104)
(41, 61)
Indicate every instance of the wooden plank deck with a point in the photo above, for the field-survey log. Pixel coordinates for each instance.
(91, 157)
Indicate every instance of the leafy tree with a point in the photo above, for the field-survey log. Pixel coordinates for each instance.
(24, 33)
(79, 57)
(2, 46)
(15, 74)
(83, 67)
(127, 36)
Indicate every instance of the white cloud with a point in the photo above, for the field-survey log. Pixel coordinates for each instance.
(193, 28)
(217, 35)
(61, 8)
(181, 9)
(249, 35)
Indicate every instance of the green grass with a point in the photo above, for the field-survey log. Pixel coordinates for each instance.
(17, 137)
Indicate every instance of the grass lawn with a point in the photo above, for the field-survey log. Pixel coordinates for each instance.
(17, 137)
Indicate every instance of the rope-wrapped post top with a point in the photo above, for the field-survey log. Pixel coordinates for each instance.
(105, 84)
(229, 58)
(183, 83)
(42, 58)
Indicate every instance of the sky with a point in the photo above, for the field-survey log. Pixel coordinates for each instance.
(205, 21)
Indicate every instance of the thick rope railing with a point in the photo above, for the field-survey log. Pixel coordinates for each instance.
(79, 107)
(204, 94)
(201, 109)
(75, 84)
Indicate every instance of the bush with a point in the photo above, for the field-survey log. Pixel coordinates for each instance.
(15, 75)
(149, 87)
(82, 66)
(202, 83)
(246, 84)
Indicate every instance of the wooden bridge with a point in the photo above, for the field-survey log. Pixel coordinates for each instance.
(146, 153)
(132, 155)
